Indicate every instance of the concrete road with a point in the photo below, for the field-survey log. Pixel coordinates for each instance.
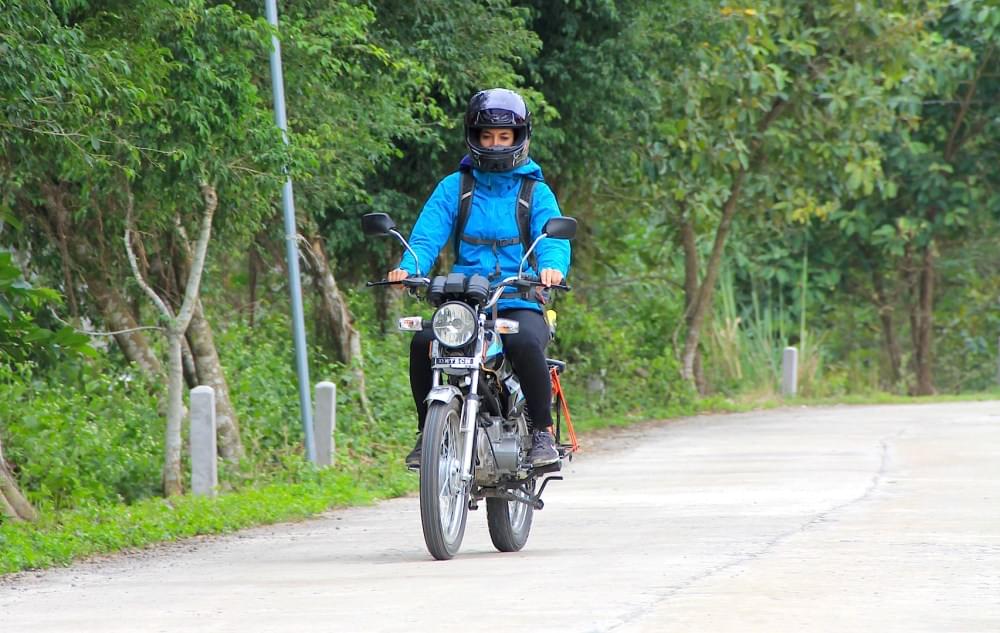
(837, 519)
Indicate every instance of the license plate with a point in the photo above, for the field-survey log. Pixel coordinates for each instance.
(455, 361)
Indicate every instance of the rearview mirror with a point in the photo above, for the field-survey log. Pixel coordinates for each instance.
(377, 224)
(561, 228)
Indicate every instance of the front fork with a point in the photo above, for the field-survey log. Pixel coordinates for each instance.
(470, 414)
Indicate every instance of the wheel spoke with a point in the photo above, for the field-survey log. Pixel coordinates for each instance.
(449, 487)
(442, 490)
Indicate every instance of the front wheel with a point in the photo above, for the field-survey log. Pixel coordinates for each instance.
(509, 522)
(443, 494)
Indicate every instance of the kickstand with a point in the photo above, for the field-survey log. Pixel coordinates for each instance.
(536, 499)
(523, 496)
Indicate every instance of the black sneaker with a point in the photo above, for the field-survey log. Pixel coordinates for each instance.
(543, 449)
(413, 459)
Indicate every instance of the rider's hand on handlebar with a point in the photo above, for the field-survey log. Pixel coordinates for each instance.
(551, 277)
(397, 275)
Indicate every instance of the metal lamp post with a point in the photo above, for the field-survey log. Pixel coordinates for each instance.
(291, 244)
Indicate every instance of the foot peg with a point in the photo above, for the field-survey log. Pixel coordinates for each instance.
(554, 467)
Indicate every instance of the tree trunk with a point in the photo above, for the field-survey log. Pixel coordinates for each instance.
(177, 326)
(923, 325)
(347, 339)
(211, 373)
(703, 302)
(382, 306)
(188, 364)
(59, 229)
(13, 504)
(889, 337)
(201, 359)
(119, 318)
(700, 308)
(89, 259)
(691, 291)
(172, 483)
(253, 265)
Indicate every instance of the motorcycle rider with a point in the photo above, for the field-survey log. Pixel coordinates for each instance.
(497, 135)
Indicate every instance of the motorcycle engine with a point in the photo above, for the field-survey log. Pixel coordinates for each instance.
(499, 453)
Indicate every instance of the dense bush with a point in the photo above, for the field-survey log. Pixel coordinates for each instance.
(265, 393)
(83, 432)
(617, 365)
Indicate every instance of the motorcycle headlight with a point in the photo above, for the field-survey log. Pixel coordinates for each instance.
(454, 324)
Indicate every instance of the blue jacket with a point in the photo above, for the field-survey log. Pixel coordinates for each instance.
(493, 217)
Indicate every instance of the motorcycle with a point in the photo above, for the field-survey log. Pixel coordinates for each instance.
(476, 439)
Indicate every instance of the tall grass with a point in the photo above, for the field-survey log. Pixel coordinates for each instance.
(745, 344)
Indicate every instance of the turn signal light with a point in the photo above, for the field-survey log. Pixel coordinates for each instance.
(411, 324)
(507, 326)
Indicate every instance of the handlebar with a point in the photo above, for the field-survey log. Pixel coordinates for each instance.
(408, 282)
(522, 283)
(531, 281)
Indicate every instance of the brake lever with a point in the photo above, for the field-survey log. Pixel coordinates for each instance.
(414, 283)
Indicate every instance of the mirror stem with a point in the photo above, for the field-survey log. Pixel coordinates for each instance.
(520, 269)
(407, 247)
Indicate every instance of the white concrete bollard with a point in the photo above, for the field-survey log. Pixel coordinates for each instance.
(324, 423)
(790, 372)
(204, 465)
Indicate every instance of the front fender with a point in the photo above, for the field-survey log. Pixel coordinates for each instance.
(443, 393)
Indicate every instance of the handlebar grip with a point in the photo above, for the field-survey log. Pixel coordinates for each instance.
(409, 282)
(535, 281)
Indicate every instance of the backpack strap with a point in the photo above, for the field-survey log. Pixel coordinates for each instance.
(465, 190)
(524, 218)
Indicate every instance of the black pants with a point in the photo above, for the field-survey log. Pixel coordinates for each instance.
(526, 351)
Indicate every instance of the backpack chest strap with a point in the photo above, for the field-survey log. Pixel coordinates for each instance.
(494, 245)
(507, 241)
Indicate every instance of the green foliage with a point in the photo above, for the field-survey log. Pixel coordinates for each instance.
(21, 337)
(934, 193)
(61, 96)
(788, 91)
(617, 362)
(969, 309)
(261, 371)
(593, 68)
(441, 55)
(82, 433)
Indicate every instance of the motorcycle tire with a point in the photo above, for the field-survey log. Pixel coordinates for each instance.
(509, 522)
(444, 505)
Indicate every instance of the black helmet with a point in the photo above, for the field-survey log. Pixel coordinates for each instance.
(497, 108)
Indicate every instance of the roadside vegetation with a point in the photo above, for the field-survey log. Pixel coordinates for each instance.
(746, 177)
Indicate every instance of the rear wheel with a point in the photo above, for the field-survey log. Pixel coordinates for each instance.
(509, 522)
(443, 495)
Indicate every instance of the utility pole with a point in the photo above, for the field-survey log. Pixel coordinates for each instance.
(291, 243)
